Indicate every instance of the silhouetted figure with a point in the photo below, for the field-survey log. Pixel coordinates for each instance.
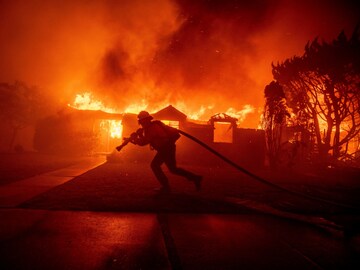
(162, 138)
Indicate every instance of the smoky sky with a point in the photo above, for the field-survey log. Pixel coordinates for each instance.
(198, 53)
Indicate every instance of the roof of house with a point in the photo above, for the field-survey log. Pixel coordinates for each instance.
(222, 117)
(170, 113)
(92, 114)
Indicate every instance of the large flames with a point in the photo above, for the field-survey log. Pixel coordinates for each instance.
(86, 101)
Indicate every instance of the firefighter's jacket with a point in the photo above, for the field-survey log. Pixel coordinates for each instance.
(157, 134)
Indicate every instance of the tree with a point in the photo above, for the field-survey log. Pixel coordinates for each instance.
(274, 119)
(322, 87)
(21, 106)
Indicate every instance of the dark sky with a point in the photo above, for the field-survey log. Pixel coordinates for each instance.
(207, 54)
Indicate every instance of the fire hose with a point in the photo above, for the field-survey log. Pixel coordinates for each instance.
(125, 143)
(254, 176)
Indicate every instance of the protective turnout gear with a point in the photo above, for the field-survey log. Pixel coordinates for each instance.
(162, 138)
(133, 137)
(167, 155)
(140, 132)
(144, 115)
(157, 134)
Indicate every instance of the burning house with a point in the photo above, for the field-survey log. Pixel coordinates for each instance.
(90, 127)
(244, 146)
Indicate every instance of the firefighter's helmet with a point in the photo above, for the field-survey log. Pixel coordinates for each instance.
(144, 115)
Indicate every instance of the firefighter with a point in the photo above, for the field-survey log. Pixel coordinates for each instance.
(162, 138)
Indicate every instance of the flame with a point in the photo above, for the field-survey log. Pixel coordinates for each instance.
(86, 101)
(136, 107)
(240, 115)
(201, 114)
(115, 128)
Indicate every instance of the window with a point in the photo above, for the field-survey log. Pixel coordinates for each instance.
(223, 132)
(174, 124)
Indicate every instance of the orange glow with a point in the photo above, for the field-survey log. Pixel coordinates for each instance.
(115, 128)
(200, 61)
(353, 145)
(86, 102)
(136, 107)
(240, 115)
(223, 132)
(174, 124)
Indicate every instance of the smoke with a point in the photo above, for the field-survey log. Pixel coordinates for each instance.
(52, 44)
(205, 54)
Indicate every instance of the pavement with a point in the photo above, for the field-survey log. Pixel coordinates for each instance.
(254, 237)
(17, 192)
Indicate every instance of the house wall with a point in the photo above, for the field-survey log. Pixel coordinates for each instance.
(247, 149)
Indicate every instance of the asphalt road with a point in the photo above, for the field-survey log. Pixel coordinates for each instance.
(111, 218)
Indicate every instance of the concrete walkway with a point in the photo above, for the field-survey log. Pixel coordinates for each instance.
(17, 192)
